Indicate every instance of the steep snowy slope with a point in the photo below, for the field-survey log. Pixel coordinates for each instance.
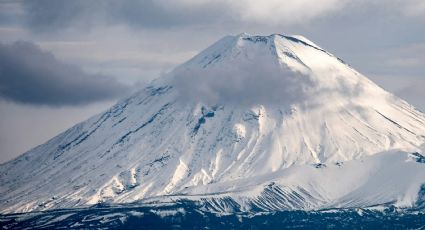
(254, 122)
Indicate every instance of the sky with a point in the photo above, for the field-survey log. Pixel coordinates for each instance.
(63, 61)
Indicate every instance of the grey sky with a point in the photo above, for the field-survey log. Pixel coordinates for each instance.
(136, 41)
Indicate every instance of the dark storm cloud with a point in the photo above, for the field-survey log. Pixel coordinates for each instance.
(46, 15)
(149, 13)
(30, 75)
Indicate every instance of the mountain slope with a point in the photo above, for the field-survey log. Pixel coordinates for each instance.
(250, 119)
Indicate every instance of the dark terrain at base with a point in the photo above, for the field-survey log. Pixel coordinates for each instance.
(186, 215)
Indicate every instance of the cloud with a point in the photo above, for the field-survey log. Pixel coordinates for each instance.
(46, 15)
(246, 83)
(30, 75)
(287, 12)
(61, 15)
(413, 8)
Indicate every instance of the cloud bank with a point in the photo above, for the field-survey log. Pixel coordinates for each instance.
(243, 83)
(33, 76)
(46, 15)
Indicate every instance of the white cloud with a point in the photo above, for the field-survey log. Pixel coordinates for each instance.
(414, 8)
(289, 12)
(238, 83)
(284, 12)
(268, 11)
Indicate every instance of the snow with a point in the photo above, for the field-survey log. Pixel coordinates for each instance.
(373, 180)
(166, 213)
(282, 124)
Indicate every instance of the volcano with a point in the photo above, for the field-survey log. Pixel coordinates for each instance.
(252, 123)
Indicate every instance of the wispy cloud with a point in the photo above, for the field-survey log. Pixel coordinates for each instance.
(245, 82)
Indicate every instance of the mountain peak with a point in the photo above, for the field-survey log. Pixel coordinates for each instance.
(273, 68)
(256, 122)
(286, 49)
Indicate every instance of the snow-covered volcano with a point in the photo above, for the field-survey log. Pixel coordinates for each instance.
(253, 122)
